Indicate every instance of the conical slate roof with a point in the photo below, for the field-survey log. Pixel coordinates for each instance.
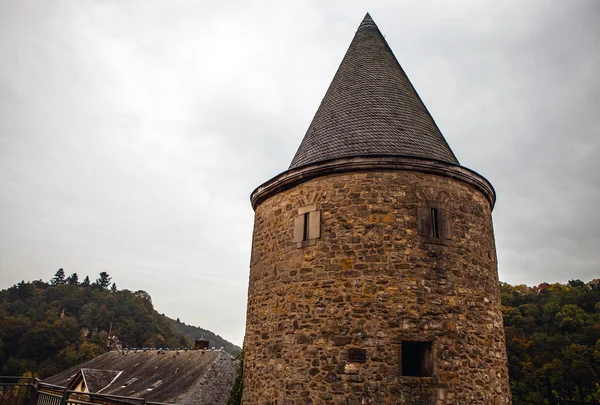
(371, 108)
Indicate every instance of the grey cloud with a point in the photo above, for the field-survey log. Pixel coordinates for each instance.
(131, 134)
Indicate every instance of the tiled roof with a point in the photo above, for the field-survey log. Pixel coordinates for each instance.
(371, 108)
(183, 377)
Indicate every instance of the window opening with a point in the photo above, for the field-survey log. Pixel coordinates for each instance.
(307, 226)
(435, 229)
(305, 235)
(357, 355)
(434, 224)
(417, 360)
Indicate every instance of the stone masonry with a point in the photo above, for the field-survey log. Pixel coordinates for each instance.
(372, 282)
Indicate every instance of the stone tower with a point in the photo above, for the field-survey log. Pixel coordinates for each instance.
(373, 275)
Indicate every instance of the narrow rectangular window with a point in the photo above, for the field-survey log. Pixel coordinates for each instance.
(307, 226)
(417, 359)
(435, 227)
(305, 235)
(434, 223)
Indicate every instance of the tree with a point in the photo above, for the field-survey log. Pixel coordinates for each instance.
(86, 281)
(570, 317)
(59, 277)
(35, 337)
(73, 279)
(143, 295)
(575, 283)
(103, 281)
(551, 337)
(113, 288)
(183, 342)
(235, 395)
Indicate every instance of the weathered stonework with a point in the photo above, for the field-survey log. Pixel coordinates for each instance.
(371, 281)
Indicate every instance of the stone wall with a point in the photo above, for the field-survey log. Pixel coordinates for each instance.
(370, 281)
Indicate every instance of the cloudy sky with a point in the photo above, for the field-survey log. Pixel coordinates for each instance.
(133, 132)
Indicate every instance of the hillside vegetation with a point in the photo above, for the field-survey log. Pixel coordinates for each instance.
(552, 331)
(553, 341)
(48, 327)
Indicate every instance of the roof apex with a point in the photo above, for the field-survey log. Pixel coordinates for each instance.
(367, 21)
(371, 108)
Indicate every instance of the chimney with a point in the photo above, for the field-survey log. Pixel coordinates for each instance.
(201, 344)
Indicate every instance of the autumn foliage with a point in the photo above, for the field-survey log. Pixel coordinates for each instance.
(552, 331)
(46, 328)
(553, 341)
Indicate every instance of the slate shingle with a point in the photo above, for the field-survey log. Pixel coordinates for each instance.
(371, 108)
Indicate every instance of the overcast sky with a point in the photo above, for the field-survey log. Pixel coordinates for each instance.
(133, 132)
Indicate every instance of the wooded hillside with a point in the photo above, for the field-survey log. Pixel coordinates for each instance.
(553, 341)
(552, 331)
(48, 327)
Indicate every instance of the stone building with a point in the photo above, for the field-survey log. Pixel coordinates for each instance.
(373, 276)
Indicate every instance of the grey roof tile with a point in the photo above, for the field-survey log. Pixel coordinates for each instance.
(371, 108)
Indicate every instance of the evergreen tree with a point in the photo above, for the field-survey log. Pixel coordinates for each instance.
(103, 281)
(59, 277)
(113, 288)
(73, 279)
(86, 281)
